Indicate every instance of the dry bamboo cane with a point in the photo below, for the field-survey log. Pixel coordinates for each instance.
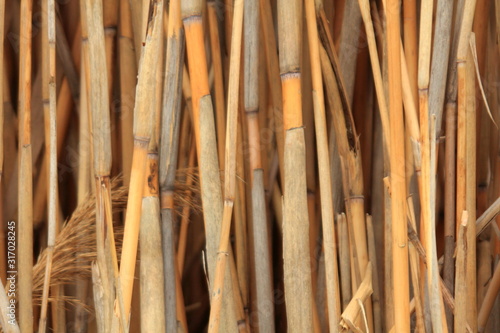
(461, 284)
(344, 260)
(397, 175)
(25, 194)
(144, 104)
(489, 300)
(297, 268)
(350, 155)
(230, 167)
(377, 76)
(218, 81)
(264, 293)
(470, 186)
(171, 116)
(92, 13)
(327, 209)
(204, 128)
(128, 79)
(427, 197)
(7, 323)
(50, 62)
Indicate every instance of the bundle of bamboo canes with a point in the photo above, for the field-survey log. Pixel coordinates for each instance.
(250, 165)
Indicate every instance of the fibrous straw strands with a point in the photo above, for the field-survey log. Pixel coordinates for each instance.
(285, 166)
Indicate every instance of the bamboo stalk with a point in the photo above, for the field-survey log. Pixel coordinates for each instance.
(489, 300)
(8, 323)
(3, 262)
(397, 178)
(25, 194)
(461, 284)
(206, 146)
(344, 260)
(171, 115)
(327, 213)
(230, 166)
(50, 60)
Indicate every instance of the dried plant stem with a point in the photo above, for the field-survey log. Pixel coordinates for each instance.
(25, 194)
(171, 118)
(397, 176)
(327, 209)
(143, 116)
(52, 148)
(489, 300)
(218, 81)
(230, 166)
(8, 324)
(461, 284)
(204, 129)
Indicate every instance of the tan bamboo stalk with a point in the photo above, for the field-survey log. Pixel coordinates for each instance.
(49, 57)
(143, 117)
(220, 113)
(485, 267)
(428, 172)
(204, 129)
(415, 272)
(489, 300)
(327, 209)
(348, 48)
(461, 284)
(25, 194)
(152, 303)
(355, 309)
(297, 280)
(344, 260)
(377, 309)
(487, 217)
(377, 76)
(350, 155)
(440, 56)
(230, 166)
(95, 58)
(265, 304)
(397, 175)
(272, 65)
(470, 184)
(411, 43)
(181, 248)
(171, 116)
(128, 79)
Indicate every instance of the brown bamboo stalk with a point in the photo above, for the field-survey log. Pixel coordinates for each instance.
(25, 194)
(327, 210)
(470, 185)
(144, 103)
(297, 280)
(344, 260)
(206, 145)
(397, 178)
(461, 284)
(355, 309)
(95, 58)
(489, 300)
(171, 116)
(220, 113)
(230, 166)
(50, 62)
(377, 76)
(128, 79)
(411, 43)
(428, 169)
(377, 309)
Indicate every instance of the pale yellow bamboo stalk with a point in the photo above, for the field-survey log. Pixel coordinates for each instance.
(25, 194)
(230, 166)
(52, 188)
(327, 209)
(397, 176)
(143, 118)
(461, 284)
